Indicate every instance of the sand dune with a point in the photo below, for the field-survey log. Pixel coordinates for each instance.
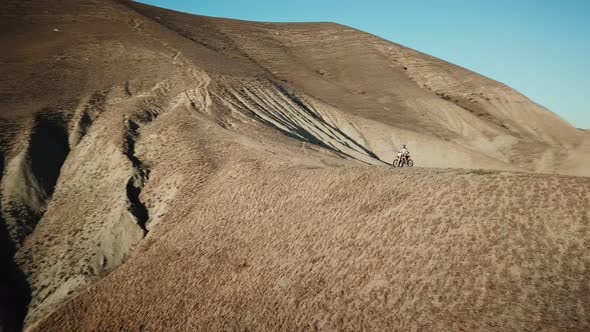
(166, 171)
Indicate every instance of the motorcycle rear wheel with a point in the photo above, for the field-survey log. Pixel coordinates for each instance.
(410, 163)
(396, 163)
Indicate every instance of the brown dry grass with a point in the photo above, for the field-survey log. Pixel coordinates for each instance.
(354, 248)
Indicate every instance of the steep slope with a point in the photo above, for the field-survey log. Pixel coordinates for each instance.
(449, 116)
(149, 150)
(372, 79)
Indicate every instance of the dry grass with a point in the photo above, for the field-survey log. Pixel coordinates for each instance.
(482, 172)
(354, 248)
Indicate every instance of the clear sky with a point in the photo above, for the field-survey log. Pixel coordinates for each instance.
(539, 47)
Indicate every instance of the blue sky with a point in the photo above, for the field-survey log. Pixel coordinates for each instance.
(540, 47)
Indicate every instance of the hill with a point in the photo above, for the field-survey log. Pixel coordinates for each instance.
(168, 170)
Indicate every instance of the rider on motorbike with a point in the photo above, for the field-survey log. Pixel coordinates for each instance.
(403, 153)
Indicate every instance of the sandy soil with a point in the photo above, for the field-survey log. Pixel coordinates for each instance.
(165, 171)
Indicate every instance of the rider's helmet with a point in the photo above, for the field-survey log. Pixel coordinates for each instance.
(404, 146)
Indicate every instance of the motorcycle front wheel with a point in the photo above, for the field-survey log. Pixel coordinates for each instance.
(410, 163)
(396, 163)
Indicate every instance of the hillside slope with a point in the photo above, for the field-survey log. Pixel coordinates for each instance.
(353, 248)
(421, 100)
(171, 170)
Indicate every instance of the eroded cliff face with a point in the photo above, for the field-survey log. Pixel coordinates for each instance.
(135, 124)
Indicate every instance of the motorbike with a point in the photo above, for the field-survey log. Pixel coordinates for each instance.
(400, 161)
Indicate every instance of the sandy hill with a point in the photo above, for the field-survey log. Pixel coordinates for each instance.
(166, 171)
